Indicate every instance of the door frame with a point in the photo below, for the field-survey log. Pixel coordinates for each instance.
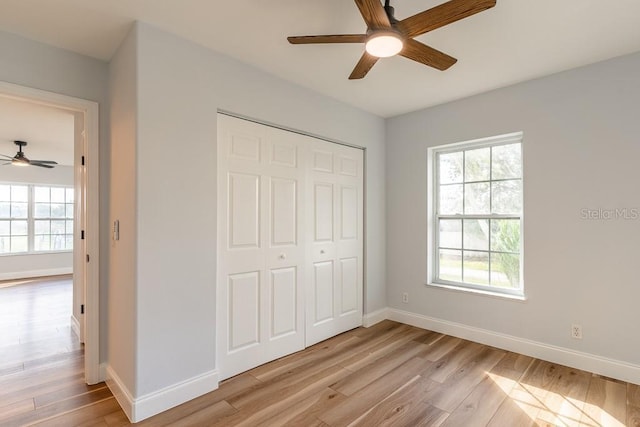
(88, 110)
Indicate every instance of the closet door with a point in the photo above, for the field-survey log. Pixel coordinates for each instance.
(261, 245)
(334, 283)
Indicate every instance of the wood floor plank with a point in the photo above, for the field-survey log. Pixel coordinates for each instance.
(81, 415)
(207, 415)
(9, 410)
(453, 360)
(605, 403)
(360, 402)
(460, 384)
(405, 407)
(378, 367)
(633, 416)
(306, 411)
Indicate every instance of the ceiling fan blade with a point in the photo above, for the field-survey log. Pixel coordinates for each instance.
(337, 38)
(374, 14)
(363, 66)
(426, 55)
(442, 15)
(42, 165)
(8, 157)
(44, 161)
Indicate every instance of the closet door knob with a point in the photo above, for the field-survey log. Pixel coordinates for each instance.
(283, 256)
(322, 251)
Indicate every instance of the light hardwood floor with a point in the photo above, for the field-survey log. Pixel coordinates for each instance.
(386, 375)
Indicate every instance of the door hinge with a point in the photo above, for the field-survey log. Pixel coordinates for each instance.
(88, 259)
(82, 160)
(81, 308)
(82, 234)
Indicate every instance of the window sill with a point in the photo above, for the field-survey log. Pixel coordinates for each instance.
(36, 253)
(511, 297)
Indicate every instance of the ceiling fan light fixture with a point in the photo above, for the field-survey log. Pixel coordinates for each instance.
(383, 44)
(20, 162)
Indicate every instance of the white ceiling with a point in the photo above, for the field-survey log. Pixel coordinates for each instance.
(48, 131)
(516, 41)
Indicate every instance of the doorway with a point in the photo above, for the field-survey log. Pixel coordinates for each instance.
(86, 209)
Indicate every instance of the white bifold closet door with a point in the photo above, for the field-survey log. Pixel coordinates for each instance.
(289, 243)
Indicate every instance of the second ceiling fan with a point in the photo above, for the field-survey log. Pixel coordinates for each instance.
(386, 36)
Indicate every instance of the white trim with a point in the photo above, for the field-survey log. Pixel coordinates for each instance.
(588, 362)
(75, 327)
(120, 391)
(89, 110)
(138, 409)
(36, 273)
(374, 317)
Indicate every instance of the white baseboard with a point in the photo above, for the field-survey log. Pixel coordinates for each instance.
(138, 409)
(35, 273)
(75, 327)
(588, 362)
(377, 316)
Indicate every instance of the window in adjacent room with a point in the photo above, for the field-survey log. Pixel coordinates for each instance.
(476, 223)
(35, 218)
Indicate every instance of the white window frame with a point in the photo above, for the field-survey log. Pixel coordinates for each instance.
(433, 216)
(31, 236)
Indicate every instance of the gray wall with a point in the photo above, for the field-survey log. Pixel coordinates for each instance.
(581, 151)
(36, 65)
(123, 90)
(180, 87)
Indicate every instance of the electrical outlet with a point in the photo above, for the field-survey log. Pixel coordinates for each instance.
(576, 332)
(405, 298)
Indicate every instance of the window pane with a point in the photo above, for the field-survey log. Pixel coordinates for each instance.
(5, 228)
(69, 227)
(506, 162)
(476, 267)
(450, 265)
(68, 242)
(19, 244)
(42, 227)
(42, 243)
(58, 210)
(19, 228)
(57, 195)
(19, 210)
(19, 193)
(69, 210)
(42, 210)
(505, 197)
(450, 199)
(450, 233)
(505, 235)
(41, 194)
(5, 245)
(450, 167)
(57, 227)
(69, 195)
(476, 234)
(57, 242)
(477, 165)
(5, 210)
(5, 193)
(476, 198)
(505, 270)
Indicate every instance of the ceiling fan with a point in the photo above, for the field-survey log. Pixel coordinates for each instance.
(386, 36)
(21, 160)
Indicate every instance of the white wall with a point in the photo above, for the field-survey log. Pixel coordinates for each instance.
(180, 88)
(581, 150)
(34, 265)
(36, 65)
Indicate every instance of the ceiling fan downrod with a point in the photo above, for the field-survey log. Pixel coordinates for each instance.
(390, 12)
